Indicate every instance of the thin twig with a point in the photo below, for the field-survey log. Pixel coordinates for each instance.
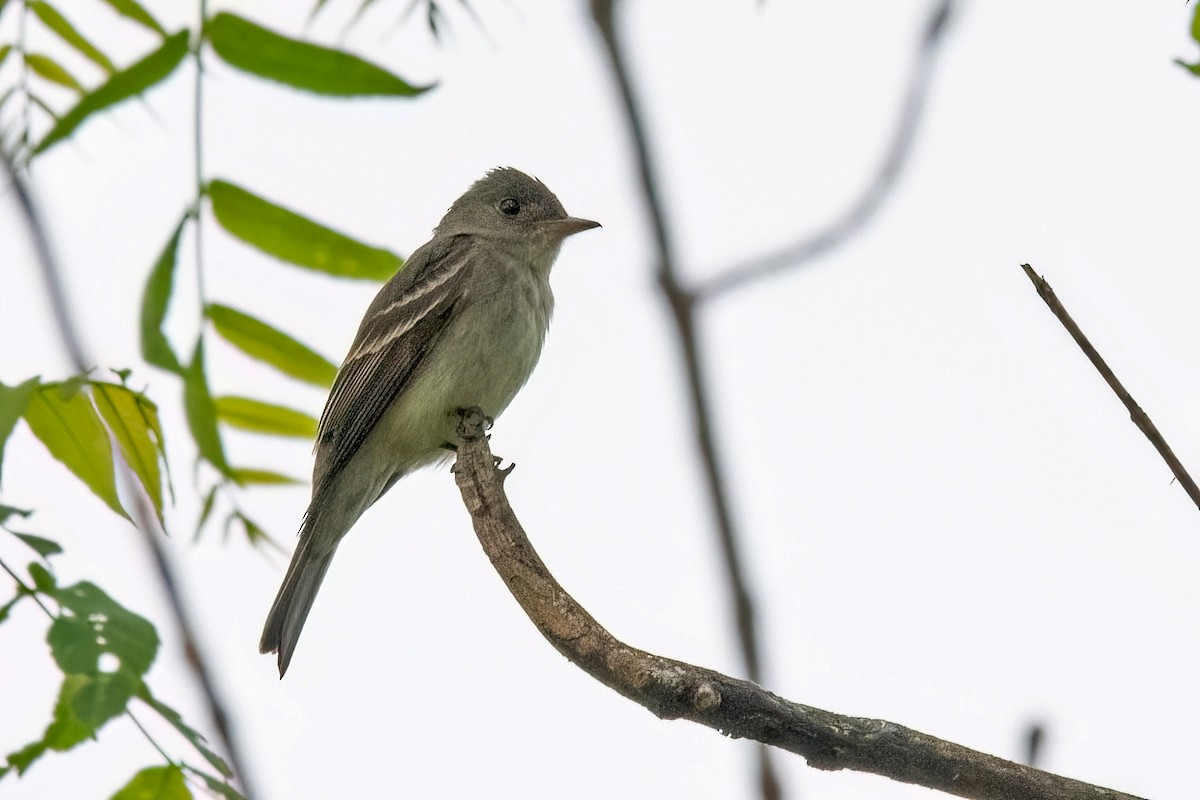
(1139, 417)
(854, 219)
(143, 516)
(736, 708)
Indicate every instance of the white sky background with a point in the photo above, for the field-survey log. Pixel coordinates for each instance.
(950, 521)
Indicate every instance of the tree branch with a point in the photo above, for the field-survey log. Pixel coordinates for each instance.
(1140, 418)
(736, 708)
(854, 219)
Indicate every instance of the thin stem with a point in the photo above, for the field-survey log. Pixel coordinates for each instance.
(26, 589)
(149, 738)
(198, 155)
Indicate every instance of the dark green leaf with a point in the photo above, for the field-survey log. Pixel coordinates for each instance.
(135, 12)
(255, 535)
(21, 759)
(114, 628)
(262, 477)
(1192, 68)
(121, 86)
(133, 420)
(219, 787)
(11, 511)
(259, 340)
(52, 71)
(43, 580)
(202, 412)
(4, 612)
(56, 22)
(156, 783)
(74, 646)
(67, 730)
(206, 509)
(322, 70)
(13, 401)
(288, 236)
(44, 547)
(255, 415)
(155, 299)
(176, 720)
(103, 697)
(74, 435)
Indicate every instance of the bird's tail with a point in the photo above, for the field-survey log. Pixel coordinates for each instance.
(296, 595)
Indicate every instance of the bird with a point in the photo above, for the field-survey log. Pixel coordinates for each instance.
(460, 325)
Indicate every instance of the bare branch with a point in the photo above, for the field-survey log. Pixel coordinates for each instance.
(143, 515)
(1139, 417)
(683, 305)
(854, 219)
(736, 708)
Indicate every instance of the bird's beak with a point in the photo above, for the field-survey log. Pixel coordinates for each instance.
(569, 226)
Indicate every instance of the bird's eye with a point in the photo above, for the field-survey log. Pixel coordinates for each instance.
(509, 206)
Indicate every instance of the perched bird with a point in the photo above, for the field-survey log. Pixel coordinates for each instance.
(460, 325)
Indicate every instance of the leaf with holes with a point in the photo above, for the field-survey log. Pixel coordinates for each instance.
(111, 627)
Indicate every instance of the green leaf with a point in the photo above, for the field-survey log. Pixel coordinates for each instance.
(5, 49)
(23, 758)
(262, 477)
(11, 511)
(103, 697)
(56, 22)
(218, 787)
(67, 730)
(13, 401)
(288, 236)
(1192, 68)
(135, 12)
(112, 627)
(176, 720)
(43, 547)
(322, 70)
(155, 783)
(254, 415)
(74, 646)
(261, 341)
(202, 412)
(206, 509)
(155, 299)
(123, 85)
(52, 71)
(133, 420)
(74, 435)
(43, 580)
(1196, 24)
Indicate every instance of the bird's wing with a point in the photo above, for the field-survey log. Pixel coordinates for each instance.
(399, 329)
